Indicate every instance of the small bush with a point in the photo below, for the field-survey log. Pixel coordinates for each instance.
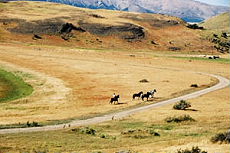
(179, 119)
(194, 85)
(33, 124)
(140, 133)
(104, 136)
(193, 150)
(182, 105)
(221, 137)
(195, 26)
(152, 132)
(85, 130)
(144, 81)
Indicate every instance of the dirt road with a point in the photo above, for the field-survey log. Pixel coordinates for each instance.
(223, 82)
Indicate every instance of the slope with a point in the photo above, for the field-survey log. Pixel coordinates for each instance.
(62, 25)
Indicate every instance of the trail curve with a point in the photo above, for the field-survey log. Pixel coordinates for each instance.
(223, 82)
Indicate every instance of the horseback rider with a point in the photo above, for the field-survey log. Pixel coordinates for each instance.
(114, 95)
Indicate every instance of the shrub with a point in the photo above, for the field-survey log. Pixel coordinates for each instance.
(182, 105)
(140, 133)
(144, 81)
(194, 85)
(221, 137)
(195, 26)
(152, 132)
(85, 130)
(179, 119)
(33, 124)
(193, 150)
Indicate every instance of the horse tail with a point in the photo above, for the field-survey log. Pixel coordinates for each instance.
(133, 96)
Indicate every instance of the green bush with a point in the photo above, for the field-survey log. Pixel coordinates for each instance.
(85, 130)
(193, 150)
(179, 119)
(182, 105)
(140, 133)
(221, 137)
(33, 124)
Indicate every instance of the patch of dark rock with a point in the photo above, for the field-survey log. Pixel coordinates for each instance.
(126, 31)
(132, 55)
(12, 20)
(68, 27)
(96, 16)
(36, 37)
(153, 42)
(98, 40)
(174, 48)
(54, 26)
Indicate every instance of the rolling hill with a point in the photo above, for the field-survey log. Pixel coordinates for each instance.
(58, 24)
(219, 22)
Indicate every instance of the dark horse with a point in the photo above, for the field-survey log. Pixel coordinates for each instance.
(137, 95)
(114, 99)
(146, 96)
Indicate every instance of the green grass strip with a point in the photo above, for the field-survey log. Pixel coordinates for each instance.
(219, 60)
(17, 88)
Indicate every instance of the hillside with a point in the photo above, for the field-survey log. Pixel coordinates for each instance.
(189, 10)
(63, 25)
(219, 22)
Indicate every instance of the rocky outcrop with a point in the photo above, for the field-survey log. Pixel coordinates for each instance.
(125, 31)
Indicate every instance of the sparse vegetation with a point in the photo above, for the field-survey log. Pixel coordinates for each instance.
(221, 42)
(179, 119)
(221, 137)
(140, 133)
(85, 130)
(219, 60)
(193, 150)
(182, 105)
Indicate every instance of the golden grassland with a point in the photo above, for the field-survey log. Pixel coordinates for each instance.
(71, 81)
(121, 74)
(74, 84)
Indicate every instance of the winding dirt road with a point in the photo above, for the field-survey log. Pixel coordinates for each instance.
(223, 82)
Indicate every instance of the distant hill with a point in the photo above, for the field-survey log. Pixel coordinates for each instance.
(219, 22)
(63, 25)
(188, 10)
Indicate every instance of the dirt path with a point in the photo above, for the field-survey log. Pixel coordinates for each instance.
(223, 82)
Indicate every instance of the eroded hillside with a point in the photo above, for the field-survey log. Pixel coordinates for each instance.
(56, 24)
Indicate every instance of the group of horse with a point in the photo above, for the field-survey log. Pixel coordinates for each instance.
(139, 95)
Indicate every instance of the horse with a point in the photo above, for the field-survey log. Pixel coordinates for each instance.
(137, 95)
(152, 92)
(114, 99)
(146, 96)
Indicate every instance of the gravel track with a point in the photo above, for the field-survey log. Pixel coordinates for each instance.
(223, 82)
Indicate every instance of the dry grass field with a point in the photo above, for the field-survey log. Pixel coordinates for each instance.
(75, 79)
(75, 83)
